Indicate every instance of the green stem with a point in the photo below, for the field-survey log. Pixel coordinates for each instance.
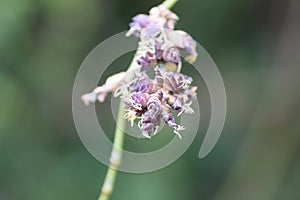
(116, 154)
(169, 3)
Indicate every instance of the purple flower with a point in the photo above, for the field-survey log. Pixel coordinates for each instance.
(152, 100)
(159, 17)
(164, 13)
(170, 120)
(142, 83)
(141, 20)
(159, 41)
(184, 41)
(172, 81)
(171, 54)
(151, 118)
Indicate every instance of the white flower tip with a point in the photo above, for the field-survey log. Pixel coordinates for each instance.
(178, 134)
(101, 97)
(146, 135)
(129, 33)
(88, 98)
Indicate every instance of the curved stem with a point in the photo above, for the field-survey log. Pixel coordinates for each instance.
(116, 154)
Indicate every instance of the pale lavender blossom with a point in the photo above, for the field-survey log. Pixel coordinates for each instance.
(159, 17)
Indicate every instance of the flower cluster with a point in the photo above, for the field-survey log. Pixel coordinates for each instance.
(159, 41)
(152, 100)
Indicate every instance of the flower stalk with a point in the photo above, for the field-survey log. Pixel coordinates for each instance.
(116, 156)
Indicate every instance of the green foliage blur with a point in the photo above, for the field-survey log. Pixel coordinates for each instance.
(254, 43)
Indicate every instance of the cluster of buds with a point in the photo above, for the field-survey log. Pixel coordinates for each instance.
(160, 50)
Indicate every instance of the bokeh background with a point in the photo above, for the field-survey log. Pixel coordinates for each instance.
(255, 44)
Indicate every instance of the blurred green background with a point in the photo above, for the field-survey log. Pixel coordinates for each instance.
(256, 47)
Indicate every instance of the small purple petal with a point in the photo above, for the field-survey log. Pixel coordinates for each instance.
(141, 19)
